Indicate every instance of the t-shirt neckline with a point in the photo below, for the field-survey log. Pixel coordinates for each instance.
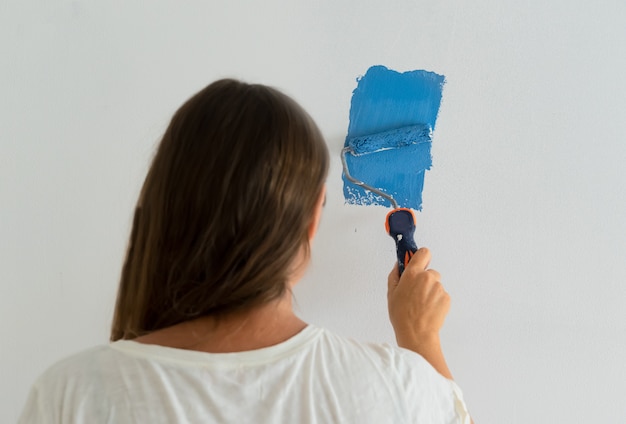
(192, 357)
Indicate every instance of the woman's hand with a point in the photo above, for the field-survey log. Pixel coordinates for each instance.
(418, 305)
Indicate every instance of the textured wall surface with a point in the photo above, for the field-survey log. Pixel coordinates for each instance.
(523, 208)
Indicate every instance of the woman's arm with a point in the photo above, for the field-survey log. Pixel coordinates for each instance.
(418, 305)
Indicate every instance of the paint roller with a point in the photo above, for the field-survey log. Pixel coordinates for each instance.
(400, 222)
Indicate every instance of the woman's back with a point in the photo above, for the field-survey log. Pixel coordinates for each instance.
(314, 376)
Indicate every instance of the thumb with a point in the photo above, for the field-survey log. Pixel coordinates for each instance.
(419, 262)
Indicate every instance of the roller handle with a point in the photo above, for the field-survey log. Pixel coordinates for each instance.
(400, 225)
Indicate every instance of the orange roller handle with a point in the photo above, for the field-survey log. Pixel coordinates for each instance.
(400, 225)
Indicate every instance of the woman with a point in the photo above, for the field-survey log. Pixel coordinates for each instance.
(204, 329)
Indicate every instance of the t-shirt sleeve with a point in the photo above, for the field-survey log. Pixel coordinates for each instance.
(429, 396)
(34, 411)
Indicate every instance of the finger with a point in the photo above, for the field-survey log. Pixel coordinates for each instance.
(420, 260)
(435, 274)
(393, 278)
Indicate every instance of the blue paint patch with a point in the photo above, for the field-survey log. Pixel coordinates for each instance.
(392, 116)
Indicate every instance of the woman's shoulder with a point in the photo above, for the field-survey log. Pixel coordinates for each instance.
(76, 366)
(381, 353)
(406, 371)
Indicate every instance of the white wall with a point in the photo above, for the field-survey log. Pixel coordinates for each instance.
(524, 208)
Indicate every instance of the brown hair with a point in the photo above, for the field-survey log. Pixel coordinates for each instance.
(224, 210)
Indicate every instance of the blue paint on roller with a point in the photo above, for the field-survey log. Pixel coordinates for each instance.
(392, 139)
(392, 116)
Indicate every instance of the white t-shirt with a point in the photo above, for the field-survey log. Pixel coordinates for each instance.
(314, 377)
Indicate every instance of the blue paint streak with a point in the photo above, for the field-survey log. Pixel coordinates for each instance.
(386, 101)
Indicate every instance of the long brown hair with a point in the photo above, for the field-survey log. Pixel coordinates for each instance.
(224, 210)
